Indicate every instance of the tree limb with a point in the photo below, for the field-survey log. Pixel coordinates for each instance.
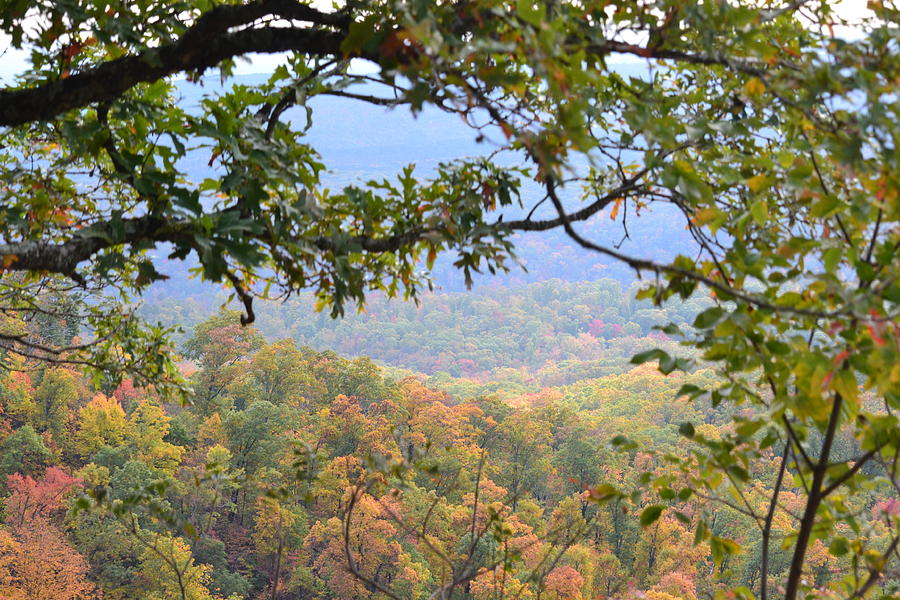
(201, 47)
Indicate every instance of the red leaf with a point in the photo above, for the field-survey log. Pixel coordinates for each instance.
(841, 357)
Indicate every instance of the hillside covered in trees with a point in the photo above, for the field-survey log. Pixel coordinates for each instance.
(555, 331)
(290, 462)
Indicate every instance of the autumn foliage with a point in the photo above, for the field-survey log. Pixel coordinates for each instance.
(299, 473)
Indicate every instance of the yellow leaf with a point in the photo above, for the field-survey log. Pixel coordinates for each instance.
(786, 251)
(758, 182)
(895, 374)
(706, 215)
(754, 87)
(845, 384)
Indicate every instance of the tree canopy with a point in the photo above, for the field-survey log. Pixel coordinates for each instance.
(768, 126)
(771, 134)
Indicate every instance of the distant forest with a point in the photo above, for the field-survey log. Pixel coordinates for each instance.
(559, 331)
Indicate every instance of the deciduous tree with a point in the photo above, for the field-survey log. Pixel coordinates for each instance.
(36, 563)
(101, 422)
(24, 452)
(29, 499)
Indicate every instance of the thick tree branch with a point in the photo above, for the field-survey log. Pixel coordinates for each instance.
(64, 257)
(796, 440)
(212, 39)
(739, 65)
(244, 295)
(201, 47)
(629, 186)
(795, 572)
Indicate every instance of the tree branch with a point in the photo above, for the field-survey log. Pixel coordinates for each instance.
(795, 573)
(875, 574)
(204, 45)
(767, 529)
(849, 474)
(641, 264)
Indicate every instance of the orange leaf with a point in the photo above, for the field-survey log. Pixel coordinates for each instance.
(881, 192)
(615, 208)
(875, 337)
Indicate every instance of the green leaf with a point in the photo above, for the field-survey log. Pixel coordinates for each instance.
(826, 207)
(831, 258)
(690, 390)
(682, 517)
(650, 514)
(777, 347)
(759, 183)
(739, 473)
(648, 355)
(722, 547)
(760, 212)
(839, 546)
(531, 11)
(622, 443)
(844, 382)
(709, 317)
(359, 35)
(701, 532)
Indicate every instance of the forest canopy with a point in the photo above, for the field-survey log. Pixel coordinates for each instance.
(769, 128)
